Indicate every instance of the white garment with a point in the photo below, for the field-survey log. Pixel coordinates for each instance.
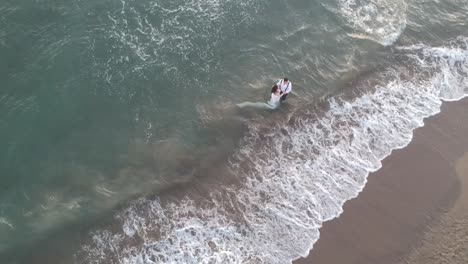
(272, 104)
(274, 100)
(285, 87)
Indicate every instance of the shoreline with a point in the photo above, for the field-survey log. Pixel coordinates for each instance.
(386, 222)
(410, 194)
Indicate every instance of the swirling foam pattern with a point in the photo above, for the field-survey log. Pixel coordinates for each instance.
(170, 35)
(378, 20)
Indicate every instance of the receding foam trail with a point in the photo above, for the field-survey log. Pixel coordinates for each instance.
(378, 20)
(299, 176)
(5, 222)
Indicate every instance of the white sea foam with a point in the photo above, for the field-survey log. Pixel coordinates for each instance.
(379, 20)
(299, 176)
(4, 221)
(169, 33)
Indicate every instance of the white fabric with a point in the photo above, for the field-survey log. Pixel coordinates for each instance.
(273, 103)
(274, 100)
(258, 105)
(285, 87)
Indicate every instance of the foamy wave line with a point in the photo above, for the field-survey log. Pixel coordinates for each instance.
(301, 176)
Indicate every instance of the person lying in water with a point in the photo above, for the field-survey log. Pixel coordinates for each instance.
(273, 103)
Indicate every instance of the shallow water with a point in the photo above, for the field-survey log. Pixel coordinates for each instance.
(120, 117)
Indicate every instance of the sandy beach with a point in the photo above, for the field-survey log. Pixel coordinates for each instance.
(414, 209)
(447, 241)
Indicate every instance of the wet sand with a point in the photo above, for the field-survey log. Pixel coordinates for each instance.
(414, 209)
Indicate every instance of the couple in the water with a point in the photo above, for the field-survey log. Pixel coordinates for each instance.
(279, 92)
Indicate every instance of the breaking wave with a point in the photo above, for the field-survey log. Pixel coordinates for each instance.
(295, 177)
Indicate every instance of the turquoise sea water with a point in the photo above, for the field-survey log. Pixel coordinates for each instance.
(105, 102)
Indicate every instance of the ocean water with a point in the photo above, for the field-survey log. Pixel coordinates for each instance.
(120, 141)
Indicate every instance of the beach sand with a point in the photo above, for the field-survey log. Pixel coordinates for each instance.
(447, 241)
(414, 209)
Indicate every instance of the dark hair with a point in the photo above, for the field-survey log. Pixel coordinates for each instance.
(274, 88)
(285, 79)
